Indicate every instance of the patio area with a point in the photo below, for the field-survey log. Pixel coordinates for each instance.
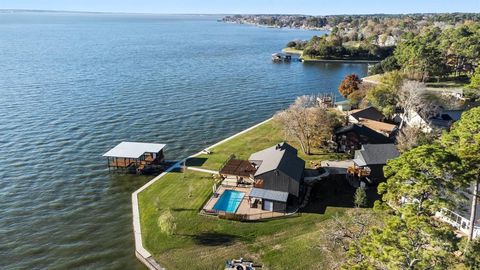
(244, 211)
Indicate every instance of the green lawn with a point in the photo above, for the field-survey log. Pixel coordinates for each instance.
(255, 140)
(202, 242)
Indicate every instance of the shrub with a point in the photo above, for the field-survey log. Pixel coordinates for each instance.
(360, 198)
(166, 222)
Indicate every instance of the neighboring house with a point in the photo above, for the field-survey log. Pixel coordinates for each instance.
(370, 113)
(369, 162)
(279, 176)
(386, 129)
(460, 217)
(428, 124)
(353, 136)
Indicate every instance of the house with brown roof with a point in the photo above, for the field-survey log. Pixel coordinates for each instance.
(370, 113)
(386, 129)
(365, 126)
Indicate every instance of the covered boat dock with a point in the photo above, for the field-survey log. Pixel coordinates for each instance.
(135, 157)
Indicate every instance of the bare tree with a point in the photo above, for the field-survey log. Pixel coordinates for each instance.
(411, 97)
(410, 137)
(307, 123)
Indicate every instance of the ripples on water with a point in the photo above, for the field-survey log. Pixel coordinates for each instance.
(73, 86)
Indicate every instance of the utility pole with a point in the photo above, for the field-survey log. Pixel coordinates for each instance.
(473, 211)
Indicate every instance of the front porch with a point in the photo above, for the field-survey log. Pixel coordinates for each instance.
(457, 221)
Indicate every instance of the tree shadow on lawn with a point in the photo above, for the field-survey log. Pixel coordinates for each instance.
(335, 192)
(195, 161)
(214, 239)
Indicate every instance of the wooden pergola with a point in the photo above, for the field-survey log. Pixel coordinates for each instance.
(239, 171)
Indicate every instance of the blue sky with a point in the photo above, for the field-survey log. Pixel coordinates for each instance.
(315, 7)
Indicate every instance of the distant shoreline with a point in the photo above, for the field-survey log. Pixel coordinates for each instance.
(341, 61)
(279, 27)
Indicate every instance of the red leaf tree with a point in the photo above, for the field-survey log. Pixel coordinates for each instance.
(350, 84)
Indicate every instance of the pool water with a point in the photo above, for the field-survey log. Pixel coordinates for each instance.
(229, 201)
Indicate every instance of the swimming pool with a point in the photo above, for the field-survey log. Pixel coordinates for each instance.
(229, 201)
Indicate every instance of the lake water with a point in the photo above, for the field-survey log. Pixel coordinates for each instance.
(74, 85)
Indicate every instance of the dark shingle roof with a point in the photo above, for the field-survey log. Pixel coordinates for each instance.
(372, 135)
(377, 154)
(368, 113)
(282, 157)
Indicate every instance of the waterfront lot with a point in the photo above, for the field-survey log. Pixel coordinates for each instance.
(205, 242)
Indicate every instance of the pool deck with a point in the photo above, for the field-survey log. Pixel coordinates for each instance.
(244, 207)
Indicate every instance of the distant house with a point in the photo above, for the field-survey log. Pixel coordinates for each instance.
(369, 162)
(353, 136)
(429, 123)
(279, 169)
(370, 113)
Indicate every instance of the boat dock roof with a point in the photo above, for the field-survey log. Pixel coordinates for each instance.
(133, 149)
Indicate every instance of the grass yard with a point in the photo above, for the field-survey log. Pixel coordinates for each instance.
(255, 140)
(373, 78)
(202, 242)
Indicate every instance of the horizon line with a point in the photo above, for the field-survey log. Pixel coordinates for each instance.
(212, 14)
